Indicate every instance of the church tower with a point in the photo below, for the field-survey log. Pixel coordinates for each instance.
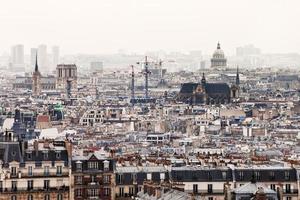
(235, 88)
(36, 80)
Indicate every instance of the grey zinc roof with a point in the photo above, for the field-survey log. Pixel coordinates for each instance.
(252, 188)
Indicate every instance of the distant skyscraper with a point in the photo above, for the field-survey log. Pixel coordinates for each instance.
(33, 52)
(42, 58)
(17, 57)
(247, 50)
(55, 56)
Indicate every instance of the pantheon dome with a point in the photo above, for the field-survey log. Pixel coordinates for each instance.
(218, 59)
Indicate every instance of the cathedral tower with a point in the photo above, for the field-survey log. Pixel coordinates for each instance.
(36, 80)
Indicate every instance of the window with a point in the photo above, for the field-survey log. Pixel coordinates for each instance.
(46, 184)
(106, 165)
(195, 188)
(162, 176)
(288, 198)
(210, 198)
(1, 186)
(79, 166)
(209, 188)
(78, 180)
(131, 191)
(106, 192)
(29, 184)
(273, 187)
(29, 170)
(149, 176)
(257, 175)
(224, 175)
(47, 197)
(93, 178)
(121, 191)
(46, 170)
(78, 193)
(241, 175)
(120, 178)
(58, 170)
(13, 171)
(58, 155)
(134, 177)
(59, 197)
(288, 188)
(13, 197)
(93, 192)
(46, 155)
(93, 165)
(30, 197)
(106, 179)
(14, 185)
(209, 176)
(272, 175)
(287, 175)
(29, 156)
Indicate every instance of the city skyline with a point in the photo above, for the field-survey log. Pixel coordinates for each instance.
(139, 26)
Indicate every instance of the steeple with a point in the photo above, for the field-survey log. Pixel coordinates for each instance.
(237, 78)
(203, 80)
(36, 63)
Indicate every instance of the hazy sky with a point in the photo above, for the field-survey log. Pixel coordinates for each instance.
(104, 26)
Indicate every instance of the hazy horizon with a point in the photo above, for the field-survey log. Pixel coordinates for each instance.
(105, 26)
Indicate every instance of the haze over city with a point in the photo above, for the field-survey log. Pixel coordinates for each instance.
(105, 26)
(150, 100)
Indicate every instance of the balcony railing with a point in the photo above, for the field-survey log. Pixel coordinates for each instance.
(34, 189)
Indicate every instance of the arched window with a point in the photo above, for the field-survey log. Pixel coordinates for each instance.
(30, 197)
(13, 197)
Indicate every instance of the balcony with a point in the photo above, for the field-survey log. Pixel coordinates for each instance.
(209, 192)
(290, 192)
(34, 189)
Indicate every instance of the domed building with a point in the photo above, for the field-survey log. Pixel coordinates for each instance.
(218, 60)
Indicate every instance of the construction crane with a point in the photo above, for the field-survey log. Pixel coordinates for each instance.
(132, 84)
(146, 73)
(159, 64)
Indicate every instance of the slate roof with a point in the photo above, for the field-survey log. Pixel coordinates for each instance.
(252, 188)
(211, 88)
(188, 87)
(10, 151)
(217, 88)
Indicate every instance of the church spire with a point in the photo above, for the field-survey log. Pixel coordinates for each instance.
(36, 63)
(203, 80)
(237, 78)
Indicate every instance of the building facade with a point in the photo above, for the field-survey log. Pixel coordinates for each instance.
(93, 177)
(37, 171)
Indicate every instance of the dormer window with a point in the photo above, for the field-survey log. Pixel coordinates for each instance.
(287, 175)
(106, 165)
(57, 155)
(78, 166)
(92, 165)
(46, 155)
